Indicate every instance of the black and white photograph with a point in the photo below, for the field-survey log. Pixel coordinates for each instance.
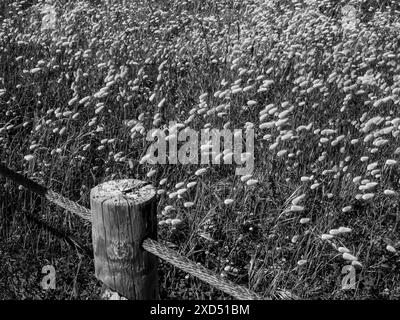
(214, 151)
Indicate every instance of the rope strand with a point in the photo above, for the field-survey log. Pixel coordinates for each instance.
(21, 180)
(198, 271)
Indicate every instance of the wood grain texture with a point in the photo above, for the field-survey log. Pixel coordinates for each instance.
(123, 215)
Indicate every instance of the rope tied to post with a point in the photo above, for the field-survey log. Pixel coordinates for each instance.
(149, 245)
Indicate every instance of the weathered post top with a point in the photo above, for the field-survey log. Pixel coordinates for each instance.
(124, 213)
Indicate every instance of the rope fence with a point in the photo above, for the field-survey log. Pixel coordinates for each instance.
(120, 249)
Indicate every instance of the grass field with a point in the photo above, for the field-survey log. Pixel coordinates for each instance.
(77, 101)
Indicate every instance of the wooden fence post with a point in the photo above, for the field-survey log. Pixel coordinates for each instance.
(123, 215)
